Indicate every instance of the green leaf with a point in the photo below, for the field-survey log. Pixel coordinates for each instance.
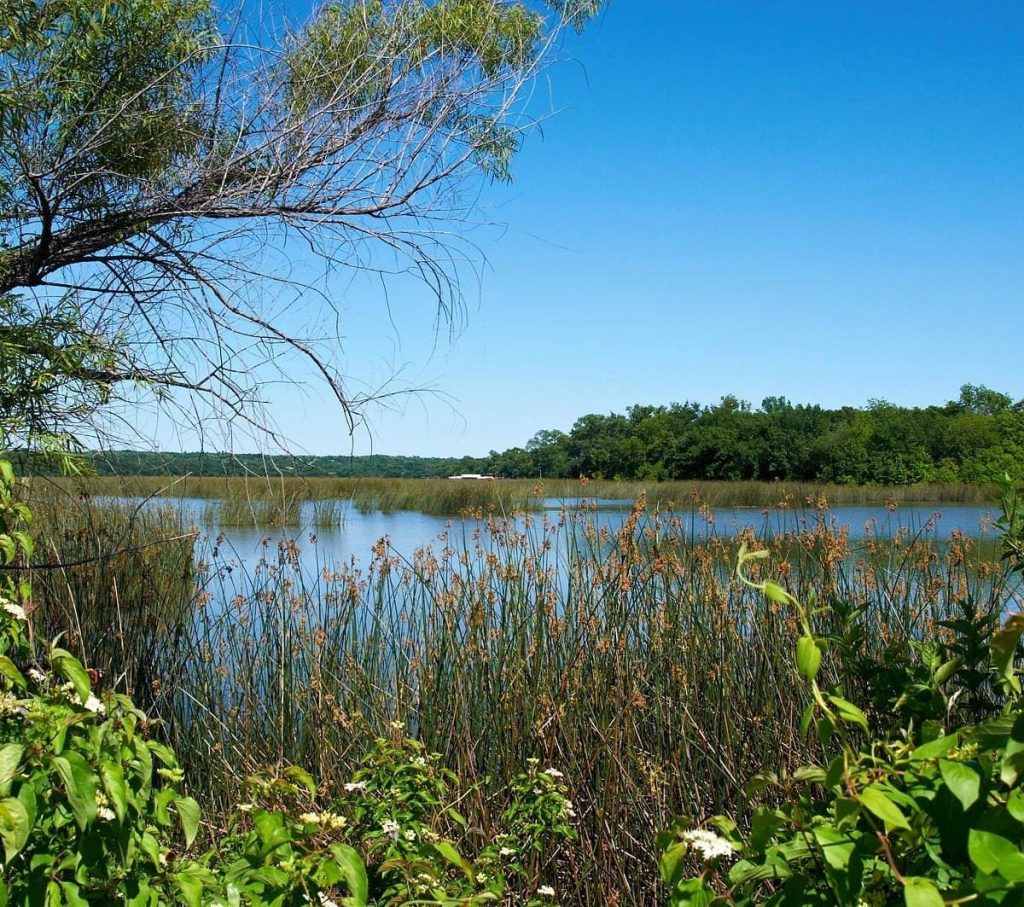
(354, 872)
(72, 895)
(10, 671)
(448, 852)
(14, 826)
(672, 863)
(962, 780)
(920, 892)
(879, 803)
(190, 884)
(10, 758)
(189, 814)
(80, 785)
(71, 669)
(300, 776)
(810, 774)
(849, 712)
(934, 748)
(836, 847)
(987, 849)
(1011, 868)
(114, 785)
(1015, 805)
(808, 656)
(745, 871)
(1004, 646)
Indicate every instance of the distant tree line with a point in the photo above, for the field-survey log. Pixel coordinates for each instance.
(153, 463)
(976, 438)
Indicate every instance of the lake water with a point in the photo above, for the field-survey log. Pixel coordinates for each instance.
(356, 532)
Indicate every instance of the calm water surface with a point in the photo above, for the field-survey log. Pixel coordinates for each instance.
(356, 533)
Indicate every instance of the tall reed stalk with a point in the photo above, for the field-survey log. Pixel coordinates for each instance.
(629, 659)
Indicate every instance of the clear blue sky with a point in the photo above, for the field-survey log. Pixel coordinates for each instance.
(818, 200)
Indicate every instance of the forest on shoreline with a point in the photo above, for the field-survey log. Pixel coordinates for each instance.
(975, 439)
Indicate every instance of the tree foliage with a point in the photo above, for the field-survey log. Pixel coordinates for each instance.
(156, 155)
(976, 438)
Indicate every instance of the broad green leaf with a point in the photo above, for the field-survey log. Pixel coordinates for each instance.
(449, 852)
(934, 748)
(190, 886)
(114, 785)
(836, 847)
(693, 893)
(301, 776)
(849, 712)
(71, 669)
(72, 895)
(14, 826)
(672, 863)
(10, 758)
(1011, 868)
(920, 892)
(354, 871)
(1015, 805)
(987, 849)
(80, 785)
(879, 803)
(1012, 766)
(810, 774)
(962, 780)
(745, 871)
(946, 671)
(189, 814)
(11, 672)
(1004, 647)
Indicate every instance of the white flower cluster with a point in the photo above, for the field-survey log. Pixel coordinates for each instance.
(355, 785)
(546, 891)
(14, 609)
(9, 705)
(326, 819)
(709, 845)
(391, 828)
(103, 810)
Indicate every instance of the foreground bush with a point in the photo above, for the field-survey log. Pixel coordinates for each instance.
(925, 811)
(91, 811)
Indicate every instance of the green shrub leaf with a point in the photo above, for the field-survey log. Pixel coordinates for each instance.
(987, 849)
(80, 784)
(71, 669)
(962, 780)
(354, 873)
(14, 826)
(920, 892)
(10, 759)
(1004, 646)
(189, 814)
(879, 803)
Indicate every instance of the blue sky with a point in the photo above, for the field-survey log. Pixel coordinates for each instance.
(818, 200)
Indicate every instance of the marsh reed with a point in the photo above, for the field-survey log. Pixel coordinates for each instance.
(451, 497)
(629, 659)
